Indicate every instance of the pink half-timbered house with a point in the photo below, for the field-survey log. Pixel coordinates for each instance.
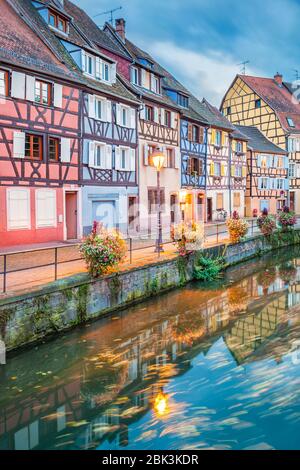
(39, 137)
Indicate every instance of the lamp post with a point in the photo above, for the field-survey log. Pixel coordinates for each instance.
(158, 159)
(182, 202)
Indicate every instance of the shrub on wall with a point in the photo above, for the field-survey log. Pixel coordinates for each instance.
(208, 269)
(286, 219)
(102, 249)
(266, 223)
(237, 227)
(188, 237)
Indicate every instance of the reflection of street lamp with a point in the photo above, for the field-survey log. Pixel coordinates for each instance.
(158, 159)
(161, 406)
(182, 203)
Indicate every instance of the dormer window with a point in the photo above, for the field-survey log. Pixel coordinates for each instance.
(135, 76)
(155, 84)
(57, 22)
(182, 100)
(98, 68)
(238, 147)
(290, 122)
(146, 62)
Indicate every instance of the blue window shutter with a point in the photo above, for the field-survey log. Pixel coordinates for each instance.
(259, 161)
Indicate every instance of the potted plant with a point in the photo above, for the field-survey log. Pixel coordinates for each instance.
(237, 227)
(102, 249)
(266, 223)
(188, 237)
(286, 219)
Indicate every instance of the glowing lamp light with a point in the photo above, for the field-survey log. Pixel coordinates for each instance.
(158, 159)
(161, 404)
(182, 197)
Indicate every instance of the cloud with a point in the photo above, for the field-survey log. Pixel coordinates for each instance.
(205, 75)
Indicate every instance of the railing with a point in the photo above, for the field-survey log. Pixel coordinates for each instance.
(22, 270)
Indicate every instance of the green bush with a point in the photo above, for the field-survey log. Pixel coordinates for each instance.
(208, 269)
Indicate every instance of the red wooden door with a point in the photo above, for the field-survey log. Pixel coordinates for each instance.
(71, 215)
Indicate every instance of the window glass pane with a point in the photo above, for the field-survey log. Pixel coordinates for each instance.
(52, 20)
(98, 109)
(3, 76)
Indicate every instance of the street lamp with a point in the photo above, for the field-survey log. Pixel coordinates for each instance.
(158, 159)
(182, 203)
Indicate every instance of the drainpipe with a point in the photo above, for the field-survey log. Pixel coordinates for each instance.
(229, 177)
(205, 181)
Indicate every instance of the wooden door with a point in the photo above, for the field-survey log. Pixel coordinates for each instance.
(71, 215)
(209, 209)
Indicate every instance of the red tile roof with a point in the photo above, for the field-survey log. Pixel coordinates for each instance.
(279, 98)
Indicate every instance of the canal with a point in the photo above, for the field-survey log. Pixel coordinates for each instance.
(203, 367)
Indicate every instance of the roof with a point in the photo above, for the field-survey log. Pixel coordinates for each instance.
(29, 15)
(279, 98)
(258, 142)
(20, 45)
(215, 117)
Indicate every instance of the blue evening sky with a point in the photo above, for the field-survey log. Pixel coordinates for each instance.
(202, 42)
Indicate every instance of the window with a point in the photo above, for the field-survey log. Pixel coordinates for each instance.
(171, 158)
(57, 22)
(238, 147)
(290, 122)
(149, 113)
(217, 168)
(196, 166)
(195, 134)
(264, 205)
(99, 161)
(263, 183)
(54, 149)
(124, 116)
(105, 71)
(18, 209)
(218, 140)
(153, 200)
(89, 66)
(236, 199)
(258, 104)
(3, 83)
(34, 146)
(45, 201)
(99, 111)
(292, 172)
(155, 84)
(135, 76)
(167, 120)
(43, 93)
(280, 162)
(263, 161)
(280, 184)
(228, 110)
(123, 159)
(182, 100)
(238, 171)
(294, 145)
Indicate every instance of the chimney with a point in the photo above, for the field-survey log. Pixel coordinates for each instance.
(278, 78)
(121, 28)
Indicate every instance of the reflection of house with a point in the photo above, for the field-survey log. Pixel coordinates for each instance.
(249, 333)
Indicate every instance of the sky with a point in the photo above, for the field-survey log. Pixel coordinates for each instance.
(202, 42)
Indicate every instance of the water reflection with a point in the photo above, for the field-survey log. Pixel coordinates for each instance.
(198, 368)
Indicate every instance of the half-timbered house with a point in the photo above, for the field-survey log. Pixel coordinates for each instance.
(267, 173)
(158, 127)
(271, 105)
(108, 117)
(39, 137)
(226, 167)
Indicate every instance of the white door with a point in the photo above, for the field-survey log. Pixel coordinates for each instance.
(105, 213)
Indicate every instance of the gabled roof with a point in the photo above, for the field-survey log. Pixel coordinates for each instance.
(28, 14)
(258, 142)
(215, 117)
(278, 97)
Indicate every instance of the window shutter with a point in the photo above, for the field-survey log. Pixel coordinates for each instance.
(30, 87)
(177, 158)
(173, 120)
(18, 209)
(91, 106)
(244, 172)
(190, 132)
(118, 114)
(113, 73)
(19, 145)
(108, 115)
(132, 165)
(201, 135)
(98, 68)
(259, 161)
(156, 114)
(212, 169)
(45, 208)
(275, 161)
(144, 78)
(223, 139)
(83, 60)
(286, 184)
(117, 158)
(222, 169)
(92, 154)
(244, 147)
(232, 170)
(132, 118)
(18, 85)
(164, 151)
(213, 136)
(143, 112)
(286, 162)
(146, 154)
(108, 157)
(259, 181)
(58, 95)
(65, 145)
